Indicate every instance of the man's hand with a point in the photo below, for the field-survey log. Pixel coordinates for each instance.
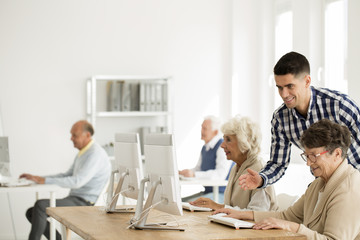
(37, 179)
(206, 202)
(187, 173)
(251, 180)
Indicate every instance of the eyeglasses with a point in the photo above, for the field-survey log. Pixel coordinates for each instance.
(311, 157)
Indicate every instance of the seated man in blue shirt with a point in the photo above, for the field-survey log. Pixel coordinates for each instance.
(86, 178)
(212, 163)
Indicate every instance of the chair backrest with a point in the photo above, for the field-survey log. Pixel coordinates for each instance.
(285, 200)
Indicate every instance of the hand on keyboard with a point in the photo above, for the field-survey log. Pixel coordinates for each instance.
(193, 208)
(224, 219)
(206, 202)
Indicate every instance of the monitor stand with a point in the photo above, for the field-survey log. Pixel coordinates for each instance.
(141, 212)
(111, 205)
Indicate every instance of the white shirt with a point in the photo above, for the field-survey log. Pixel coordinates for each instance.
(222, 164)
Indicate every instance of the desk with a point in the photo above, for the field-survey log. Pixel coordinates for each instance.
(208, 183)
(94, 223)
(36, 188)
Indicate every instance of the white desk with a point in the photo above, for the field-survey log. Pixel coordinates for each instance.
(36, 188)
(208, 183)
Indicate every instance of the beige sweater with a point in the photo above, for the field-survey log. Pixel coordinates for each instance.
(337, 215)
(235, 196)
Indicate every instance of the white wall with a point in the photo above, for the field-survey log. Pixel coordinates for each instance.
(49, 48)
(352, 67)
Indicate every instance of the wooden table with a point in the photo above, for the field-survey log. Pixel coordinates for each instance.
(94, 223)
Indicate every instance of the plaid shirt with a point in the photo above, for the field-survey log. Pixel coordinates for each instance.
(288, 125)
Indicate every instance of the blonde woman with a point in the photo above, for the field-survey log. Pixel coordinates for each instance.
(241, 144)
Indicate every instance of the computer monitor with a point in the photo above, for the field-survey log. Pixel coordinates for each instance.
(163, 181)
(128, 165)
(4, 157)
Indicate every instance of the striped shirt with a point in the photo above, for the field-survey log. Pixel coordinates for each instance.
(288, 125)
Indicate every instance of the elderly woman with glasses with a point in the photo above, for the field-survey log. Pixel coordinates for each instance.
(330, 207)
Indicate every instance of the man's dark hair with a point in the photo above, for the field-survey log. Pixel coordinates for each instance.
(87, 127)
(327, 134)
(292, 63)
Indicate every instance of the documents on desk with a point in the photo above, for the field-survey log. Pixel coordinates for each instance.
(232, 222)
(192, 208)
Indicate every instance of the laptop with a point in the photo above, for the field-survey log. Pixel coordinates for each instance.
(5, 177)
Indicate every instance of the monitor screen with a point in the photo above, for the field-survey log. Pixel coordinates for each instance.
(162, 173)
(128, 165)
(4, 157)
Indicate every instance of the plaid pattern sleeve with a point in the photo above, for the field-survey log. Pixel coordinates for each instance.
(288, 126)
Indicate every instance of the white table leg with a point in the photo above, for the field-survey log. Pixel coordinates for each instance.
(216, 193)
(52, 221)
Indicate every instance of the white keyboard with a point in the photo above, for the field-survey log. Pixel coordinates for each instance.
(15, 182)
(192, 208)
(232, 222)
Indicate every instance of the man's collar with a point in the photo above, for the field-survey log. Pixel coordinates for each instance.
(311, 105)
(84, 149)
(212, 142)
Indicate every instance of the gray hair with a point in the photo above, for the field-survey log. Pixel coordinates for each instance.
(247, 132)
(215, 122)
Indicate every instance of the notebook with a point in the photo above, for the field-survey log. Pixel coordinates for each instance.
(232, 222)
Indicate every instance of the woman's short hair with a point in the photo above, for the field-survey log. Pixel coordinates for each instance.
(327, 134)
(247, 132)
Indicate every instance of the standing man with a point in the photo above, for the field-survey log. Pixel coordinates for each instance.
(303, 105)
(86, 178)
(212, 163)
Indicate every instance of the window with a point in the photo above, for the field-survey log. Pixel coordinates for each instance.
(335, 45)
(283, 38)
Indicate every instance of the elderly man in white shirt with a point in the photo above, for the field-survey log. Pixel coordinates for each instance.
(212, 163)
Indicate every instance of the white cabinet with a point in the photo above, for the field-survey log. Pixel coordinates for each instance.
(128, 104)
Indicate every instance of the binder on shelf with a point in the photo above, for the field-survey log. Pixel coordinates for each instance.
(158, 97)
(113, 92)
(134, 97)
(153, 97)
(142, 97)
(126, 97)
(147, 97)
(164, 97)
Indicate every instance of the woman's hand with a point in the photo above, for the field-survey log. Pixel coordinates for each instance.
(206, 202)
(269, 223)
(244, 215)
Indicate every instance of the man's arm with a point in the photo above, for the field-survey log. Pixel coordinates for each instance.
(276, 166)
(37, 179)
(349, 116)
(82, 173)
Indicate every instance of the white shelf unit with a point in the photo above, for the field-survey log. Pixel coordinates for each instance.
(107, 123)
